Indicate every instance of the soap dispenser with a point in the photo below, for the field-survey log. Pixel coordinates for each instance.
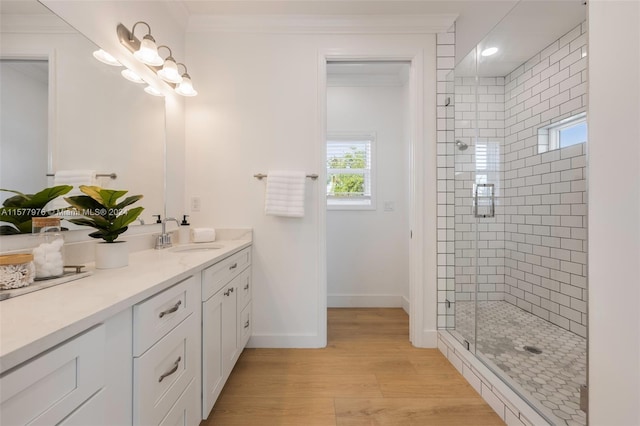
(184, 234)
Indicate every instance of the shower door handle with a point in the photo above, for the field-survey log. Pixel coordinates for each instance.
(487, 198)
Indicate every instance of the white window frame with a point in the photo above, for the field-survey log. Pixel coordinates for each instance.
(549, 136)
(355, 203)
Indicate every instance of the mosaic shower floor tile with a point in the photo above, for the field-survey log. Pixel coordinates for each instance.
(547, 361)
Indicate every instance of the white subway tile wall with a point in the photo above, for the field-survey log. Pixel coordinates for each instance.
(445, 51)
(533, 252)
(544, 194)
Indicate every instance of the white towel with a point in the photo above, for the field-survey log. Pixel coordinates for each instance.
(285, 193)
(203, 235)
(74, 178)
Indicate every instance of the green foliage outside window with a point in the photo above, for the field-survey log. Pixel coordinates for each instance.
(347, 184)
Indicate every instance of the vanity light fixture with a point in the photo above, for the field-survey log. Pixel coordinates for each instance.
(489, 51)
(131, 76)
(185, 88)
(153, 91)
(106, 58)
(147, 53)
(169, 71)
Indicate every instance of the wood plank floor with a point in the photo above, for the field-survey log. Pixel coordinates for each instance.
(369, 374)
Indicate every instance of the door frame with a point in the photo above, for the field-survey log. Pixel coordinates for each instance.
(418, 161)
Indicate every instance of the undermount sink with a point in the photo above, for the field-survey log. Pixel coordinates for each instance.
(196, 247)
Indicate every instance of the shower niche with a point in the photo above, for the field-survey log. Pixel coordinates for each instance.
(519, 107)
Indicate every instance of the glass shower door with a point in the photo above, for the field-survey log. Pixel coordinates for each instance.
(465, 224)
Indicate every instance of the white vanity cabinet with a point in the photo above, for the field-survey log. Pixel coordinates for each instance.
(54, 385)
(128, 347)
(166, 348)
(226, 322)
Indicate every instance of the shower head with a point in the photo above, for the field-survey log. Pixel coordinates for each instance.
(461, 145)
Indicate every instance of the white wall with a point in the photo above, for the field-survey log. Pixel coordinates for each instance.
(258, 110)
(614, 212)
(368, 250)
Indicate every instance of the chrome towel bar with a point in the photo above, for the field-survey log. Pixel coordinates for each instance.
(109, 175)
(261, 176)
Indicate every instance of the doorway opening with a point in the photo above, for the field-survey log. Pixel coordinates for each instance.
(368, 186)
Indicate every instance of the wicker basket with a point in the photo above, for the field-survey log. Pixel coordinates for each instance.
(16, 270)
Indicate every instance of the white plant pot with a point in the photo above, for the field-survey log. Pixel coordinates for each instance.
(112, 255)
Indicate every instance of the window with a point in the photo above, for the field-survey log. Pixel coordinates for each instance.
(349, 172)
(567, 132)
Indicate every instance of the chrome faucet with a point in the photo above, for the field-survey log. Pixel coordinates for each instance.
(164, 240)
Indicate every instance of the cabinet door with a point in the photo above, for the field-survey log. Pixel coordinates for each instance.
(212, 372)
(244, 326)
(229, 328)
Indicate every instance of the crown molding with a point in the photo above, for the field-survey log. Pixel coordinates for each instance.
(38, 24)
(314, 24)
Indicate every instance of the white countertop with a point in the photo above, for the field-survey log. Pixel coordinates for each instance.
(35, 322)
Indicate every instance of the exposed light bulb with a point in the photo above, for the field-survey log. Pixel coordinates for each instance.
(169, 71)
(131, 76)
(185, 88)
(106, 58)
(489, 51)
(148, 52)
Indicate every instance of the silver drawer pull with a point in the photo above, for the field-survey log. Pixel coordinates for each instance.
(246, 287)
(231, 290)
(228, 292)
(171, 309)
(173, 370)
(234, 266)
(246, 324)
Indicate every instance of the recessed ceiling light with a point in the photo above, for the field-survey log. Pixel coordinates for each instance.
(489, 51)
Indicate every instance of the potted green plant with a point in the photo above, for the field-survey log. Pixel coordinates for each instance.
(100, 209)
(19, 210)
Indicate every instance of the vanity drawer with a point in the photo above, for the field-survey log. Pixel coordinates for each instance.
(157, 315)
(92, 412)
(244, 288)
(162, 374)
(186, 410)
(245, 325)
(47, 389)
(216, 276)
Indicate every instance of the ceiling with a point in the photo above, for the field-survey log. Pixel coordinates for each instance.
(527, 28)
(22, 7)
(331, 7)
(530, 27)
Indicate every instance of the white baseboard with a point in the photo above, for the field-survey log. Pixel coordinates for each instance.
(286, 341)
(364, 301)
(428, 340)
(406, 304)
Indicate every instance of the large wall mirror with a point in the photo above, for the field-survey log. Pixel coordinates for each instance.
(61, 109)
